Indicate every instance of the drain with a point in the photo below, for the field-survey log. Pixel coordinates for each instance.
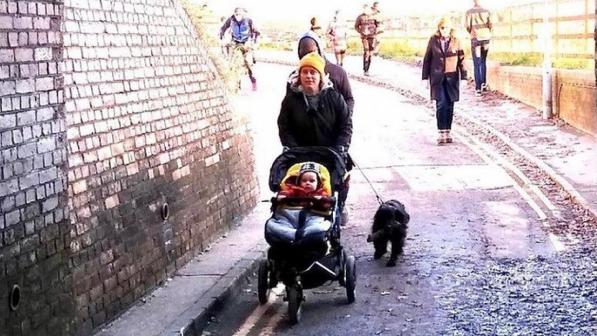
(15, 297)
(165, 211)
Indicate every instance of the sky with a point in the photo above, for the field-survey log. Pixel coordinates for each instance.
(298, 10)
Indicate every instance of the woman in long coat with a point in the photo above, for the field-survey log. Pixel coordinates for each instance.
(443, 67)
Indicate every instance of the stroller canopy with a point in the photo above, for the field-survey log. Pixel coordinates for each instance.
(323, 155)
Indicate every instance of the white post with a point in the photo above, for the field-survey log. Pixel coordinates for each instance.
(547, 78)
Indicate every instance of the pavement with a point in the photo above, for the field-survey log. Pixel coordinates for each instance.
(186, 302)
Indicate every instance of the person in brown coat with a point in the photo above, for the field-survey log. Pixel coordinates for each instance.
(443, 67)
(366, 26)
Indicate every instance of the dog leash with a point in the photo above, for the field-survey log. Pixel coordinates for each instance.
(379, 199)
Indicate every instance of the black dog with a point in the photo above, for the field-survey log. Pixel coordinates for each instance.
(389, 224)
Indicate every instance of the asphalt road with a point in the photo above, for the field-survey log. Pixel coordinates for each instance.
(477, 260)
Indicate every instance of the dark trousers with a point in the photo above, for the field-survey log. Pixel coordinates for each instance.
(479, 50)
(444, 108)
(368, 47)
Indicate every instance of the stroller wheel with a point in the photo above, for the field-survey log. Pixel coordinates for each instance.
(295, 299)
(351, 279)
(342, 263)
(263, 281)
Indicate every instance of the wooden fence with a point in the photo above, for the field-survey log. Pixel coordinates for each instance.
(518, 29)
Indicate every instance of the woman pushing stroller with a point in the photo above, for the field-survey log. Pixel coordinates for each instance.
(310, 178)
(313, 113)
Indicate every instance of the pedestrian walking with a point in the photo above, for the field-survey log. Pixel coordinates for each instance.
(243, 38)
(337, 34)
(366, 26)
(443, 67)
(477, 22)
(314, 115)
(312, 112)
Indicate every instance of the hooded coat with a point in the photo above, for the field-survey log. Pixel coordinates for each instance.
(441, 65)
(328, 124)
(337, 75)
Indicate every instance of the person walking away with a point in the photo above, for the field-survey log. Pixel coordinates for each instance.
(244, 36)
(443, 67)
(477, 22)
(376, 13)
(337, 35)
(365, 25)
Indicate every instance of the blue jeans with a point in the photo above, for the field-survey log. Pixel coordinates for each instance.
(444, 109)
(479, 50)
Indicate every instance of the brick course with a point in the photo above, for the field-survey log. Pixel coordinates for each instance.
(125, 103)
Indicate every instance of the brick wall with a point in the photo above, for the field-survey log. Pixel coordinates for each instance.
(148, 123)
(136, 118)
(575, 95)
(33, 203)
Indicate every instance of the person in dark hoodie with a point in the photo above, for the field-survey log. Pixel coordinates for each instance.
(310, 42)
(313, 113)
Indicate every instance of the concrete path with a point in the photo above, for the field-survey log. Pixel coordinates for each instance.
(185, 303)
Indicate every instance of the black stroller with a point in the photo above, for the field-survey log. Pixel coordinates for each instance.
(304, 262)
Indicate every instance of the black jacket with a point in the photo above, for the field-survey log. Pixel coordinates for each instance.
(328, 124)
(440, 66)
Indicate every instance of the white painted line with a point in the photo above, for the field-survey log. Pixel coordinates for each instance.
(557, 244)
(508, 165)
(542, 216)
(271, 324)
(555, 241)
(252, 319)
(474, 147)
(567, 186)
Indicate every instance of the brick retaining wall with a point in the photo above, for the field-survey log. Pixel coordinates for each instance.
(146, 122)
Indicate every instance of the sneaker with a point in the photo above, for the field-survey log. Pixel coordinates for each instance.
(484, 87)
(366, 73)
(478, 93)
(254, 85)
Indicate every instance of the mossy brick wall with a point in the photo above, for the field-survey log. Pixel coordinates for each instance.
(33, 193)
(145, 122)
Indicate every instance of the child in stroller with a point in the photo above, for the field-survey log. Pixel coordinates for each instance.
(301, 207)
(304, 230)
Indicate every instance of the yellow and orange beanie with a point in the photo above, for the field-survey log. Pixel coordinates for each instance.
(313, 60)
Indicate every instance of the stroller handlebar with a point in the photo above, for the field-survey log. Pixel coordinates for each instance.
(291, 199)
